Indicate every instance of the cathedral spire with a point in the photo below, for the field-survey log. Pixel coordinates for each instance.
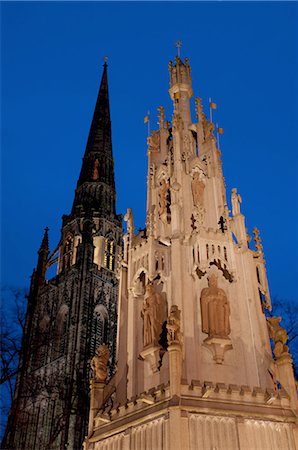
(43, 254)
(96, 184)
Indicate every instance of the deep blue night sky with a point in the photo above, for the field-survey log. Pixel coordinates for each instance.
(243, 55)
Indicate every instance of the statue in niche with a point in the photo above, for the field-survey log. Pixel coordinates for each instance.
(95, 174)
(154, 314)
(236, 201)
(173, 326)
(163, 196)
(99, 363)
(197, 187)
(215, 310)
(278, 335)
(153, 141)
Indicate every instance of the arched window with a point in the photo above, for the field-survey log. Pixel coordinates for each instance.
(99, 328)
(67, 253)
(109, 254)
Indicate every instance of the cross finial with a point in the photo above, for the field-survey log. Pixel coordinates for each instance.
(178, 46)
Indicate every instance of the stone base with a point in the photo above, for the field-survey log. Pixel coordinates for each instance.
(151, 354)
(218, 346)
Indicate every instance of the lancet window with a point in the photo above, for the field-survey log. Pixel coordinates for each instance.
(109, 254)
(67, 253)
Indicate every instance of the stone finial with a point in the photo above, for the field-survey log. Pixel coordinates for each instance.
(257, 239)
(161, 117)
(278, 335)
(99, 363)
(199, 108)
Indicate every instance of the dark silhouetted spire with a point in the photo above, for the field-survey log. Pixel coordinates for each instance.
(96, 184)
(43, 254)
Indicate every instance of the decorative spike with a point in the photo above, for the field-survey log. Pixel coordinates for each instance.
(45, 241)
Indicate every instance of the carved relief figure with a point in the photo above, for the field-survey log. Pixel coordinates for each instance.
(163, 196)
(236, 201)
(99, 363)
(278, 335)
(154, 314)
(215, 310)
(95, 174)
(197, 187)
(173, 326)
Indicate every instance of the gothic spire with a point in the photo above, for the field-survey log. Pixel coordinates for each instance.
(43, 254)
(96, 184)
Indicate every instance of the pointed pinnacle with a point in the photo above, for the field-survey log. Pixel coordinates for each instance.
(45, 240)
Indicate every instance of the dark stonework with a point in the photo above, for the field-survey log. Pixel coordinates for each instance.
(71, 314)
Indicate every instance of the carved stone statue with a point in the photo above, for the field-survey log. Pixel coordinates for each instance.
(215, 310)
(153, 141)
(236, 201)
(173, 326)
(99, 363)
(163, 196)
(197, 187)
(154, 314)
(95, 174)
(278, 335)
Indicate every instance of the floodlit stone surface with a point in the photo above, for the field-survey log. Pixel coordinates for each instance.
(195, 261)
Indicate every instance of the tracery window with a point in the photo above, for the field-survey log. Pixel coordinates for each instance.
(109, 254)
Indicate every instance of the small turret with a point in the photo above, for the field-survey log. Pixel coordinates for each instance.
(181, 88)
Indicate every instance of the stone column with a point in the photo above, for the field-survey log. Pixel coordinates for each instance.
(96, 401)
(175, 350)
(286, 377)
(175, 362)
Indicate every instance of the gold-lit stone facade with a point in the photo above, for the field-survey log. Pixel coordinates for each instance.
(194, 363)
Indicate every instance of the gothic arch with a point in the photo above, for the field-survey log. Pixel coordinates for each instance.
(60, 329)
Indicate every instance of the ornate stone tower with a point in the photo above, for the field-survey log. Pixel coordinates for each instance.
(69, 316)
(195, 368)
